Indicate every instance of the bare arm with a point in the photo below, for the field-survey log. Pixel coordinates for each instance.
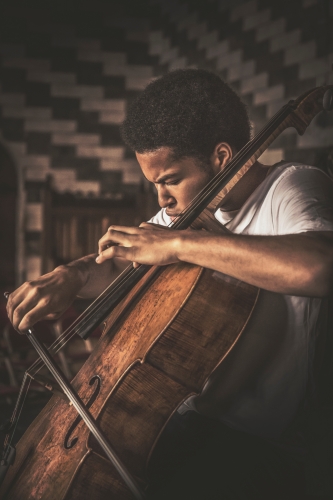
(49, 296)
(295, 264)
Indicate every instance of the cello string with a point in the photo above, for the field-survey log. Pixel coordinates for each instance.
(100, 301)
(64, 338)
(213, 184)
(201, 196)
(217, 179)
(82, 320)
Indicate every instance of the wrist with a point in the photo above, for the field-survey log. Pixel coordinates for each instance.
(76, 272)
(182, 245)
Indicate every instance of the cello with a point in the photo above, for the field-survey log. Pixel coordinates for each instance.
(146, 364)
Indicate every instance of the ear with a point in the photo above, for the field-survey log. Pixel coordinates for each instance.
(221, 156)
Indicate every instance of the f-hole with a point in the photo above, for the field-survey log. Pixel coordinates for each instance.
(70, 443)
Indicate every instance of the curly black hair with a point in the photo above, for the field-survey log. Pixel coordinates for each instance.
(190, 111)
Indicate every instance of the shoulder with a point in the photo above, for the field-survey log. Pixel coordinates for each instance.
(302, 199)
(298, 176)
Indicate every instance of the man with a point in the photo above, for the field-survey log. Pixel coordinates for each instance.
(184, 129)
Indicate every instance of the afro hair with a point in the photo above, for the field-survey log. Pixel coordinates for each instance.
(190, 111)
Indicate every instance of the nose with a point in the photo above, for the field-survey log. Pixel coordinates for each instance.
(164, 197)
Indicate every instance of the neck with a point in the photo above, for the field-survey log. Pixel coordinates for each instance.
(236, 198)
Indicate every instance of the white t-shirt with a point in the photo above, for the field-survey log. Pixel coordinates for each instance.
(281, 333)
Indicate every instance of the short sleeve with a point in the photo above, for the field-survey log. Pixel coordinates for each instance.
(302, 201)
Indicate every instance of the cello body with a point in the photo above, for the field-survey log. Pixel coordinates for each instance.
(158, 348)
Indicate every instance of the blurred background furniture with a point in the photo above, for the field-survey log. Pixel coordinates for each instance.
(73, 225)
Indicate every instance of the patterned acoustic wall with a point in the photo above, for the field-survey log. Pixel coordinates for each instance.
(67, 76)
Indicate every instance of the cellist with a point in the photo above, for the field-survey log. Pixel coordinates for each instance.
(240, 438)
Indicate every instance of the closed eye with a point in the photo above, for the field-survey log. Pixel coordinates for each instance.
(172, 183)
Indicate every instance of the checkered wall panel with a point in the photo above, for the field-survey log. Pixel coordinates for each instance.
(65, 86)
(268, 51)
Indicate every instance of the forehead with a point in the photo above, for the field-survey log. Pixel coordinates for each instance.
(162, 163)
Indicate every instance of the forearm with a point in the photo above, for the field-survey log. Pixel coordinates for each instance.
(295, 264)
(298, 264)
